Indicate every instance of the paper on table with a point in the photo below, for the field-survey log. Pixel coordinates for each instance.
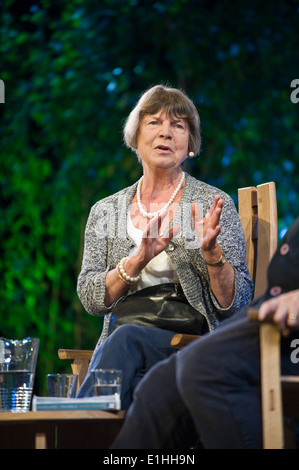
(108, 402)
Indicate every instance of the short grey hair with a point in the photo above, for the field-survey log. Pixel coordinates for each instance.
(175, 103)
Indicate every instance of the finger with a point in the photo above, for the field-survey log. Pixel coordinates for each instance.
(285, 310)
(195, 211)
(174, 231)
(168, 234)
(196, 216)
(153, 227)
(215, 217)
(279, 310)
(213, 206)
(197, 221)
(292, 317)
(151, 231)
(266, 309)
(292, 322)
(159, 223)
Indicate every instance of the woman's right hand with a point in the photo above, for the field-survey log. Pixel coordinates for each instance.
(153, 241)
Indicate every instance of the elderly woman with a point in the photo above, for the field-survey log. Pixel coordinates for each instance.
(168, 237)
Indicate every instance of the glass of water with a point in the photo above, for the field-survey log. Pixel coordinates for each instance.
(62, 385)
(107, 382)
(17, 372)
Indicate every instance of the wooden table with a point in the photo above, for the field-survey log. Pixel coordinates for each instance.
(75, 429)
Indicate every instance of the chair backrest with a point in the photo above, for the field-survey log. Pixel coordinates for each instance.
(258, 215)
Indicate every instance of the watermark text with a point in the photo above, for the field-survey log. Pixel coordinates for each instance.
(295, 93)
(2, 91)
(295, 353)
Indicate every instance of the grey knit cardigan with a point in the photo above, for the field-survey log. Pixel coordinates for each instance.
(107, 241)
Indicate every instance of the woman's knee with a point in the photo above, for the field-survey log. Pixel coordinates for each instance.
(125, 331)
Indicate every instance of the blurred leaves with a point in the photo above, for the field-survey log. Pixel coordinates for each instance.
(72, 72)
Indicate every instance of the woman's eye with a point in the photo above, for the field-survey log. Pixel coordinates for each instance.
(179, 126)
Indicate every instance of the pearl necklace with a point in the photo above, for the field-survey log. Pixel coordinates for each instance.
(150, 215)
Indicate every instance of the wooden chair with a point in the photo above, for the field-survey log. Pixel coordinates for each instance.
(280, 404)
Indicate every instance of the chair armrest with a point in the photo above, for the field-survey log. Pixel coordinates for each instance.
(180, 340)
(252, 315)
(75, 354)
(79, 360)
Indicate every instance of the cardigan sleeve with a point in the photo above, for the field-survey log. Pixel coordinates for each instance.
(91, 280)
(105, 243)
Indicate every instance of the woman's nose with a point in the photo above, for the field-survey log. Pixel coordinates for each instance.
(165, 130)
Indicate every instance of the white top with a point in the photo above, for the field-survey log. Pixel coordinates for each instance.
(158, 271)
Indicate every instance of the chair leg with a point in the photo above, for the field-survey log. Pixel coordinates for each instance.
(80, 368)
(272, 414)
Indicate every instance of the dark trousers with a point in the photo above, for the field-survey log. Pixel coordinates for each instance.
(132, 348)
(210, 390)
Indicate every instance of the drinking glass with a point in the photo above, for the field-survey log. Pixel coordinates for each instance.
(107, 381)
(62, 385)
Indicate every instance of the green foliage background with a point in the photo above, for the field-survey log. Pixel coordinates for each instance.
(72, 72)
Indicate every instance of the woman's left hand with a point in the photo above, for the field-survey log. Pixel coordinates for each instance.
(207, 228)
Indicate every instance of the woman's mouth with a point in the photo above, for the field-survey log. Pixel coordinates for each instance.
(164, 148)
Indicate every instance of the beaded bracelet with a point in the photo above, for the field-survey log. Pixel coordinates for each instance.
(123, 275)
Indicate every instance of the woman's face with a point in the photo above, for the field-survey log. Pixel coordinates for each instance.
(162, 141)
